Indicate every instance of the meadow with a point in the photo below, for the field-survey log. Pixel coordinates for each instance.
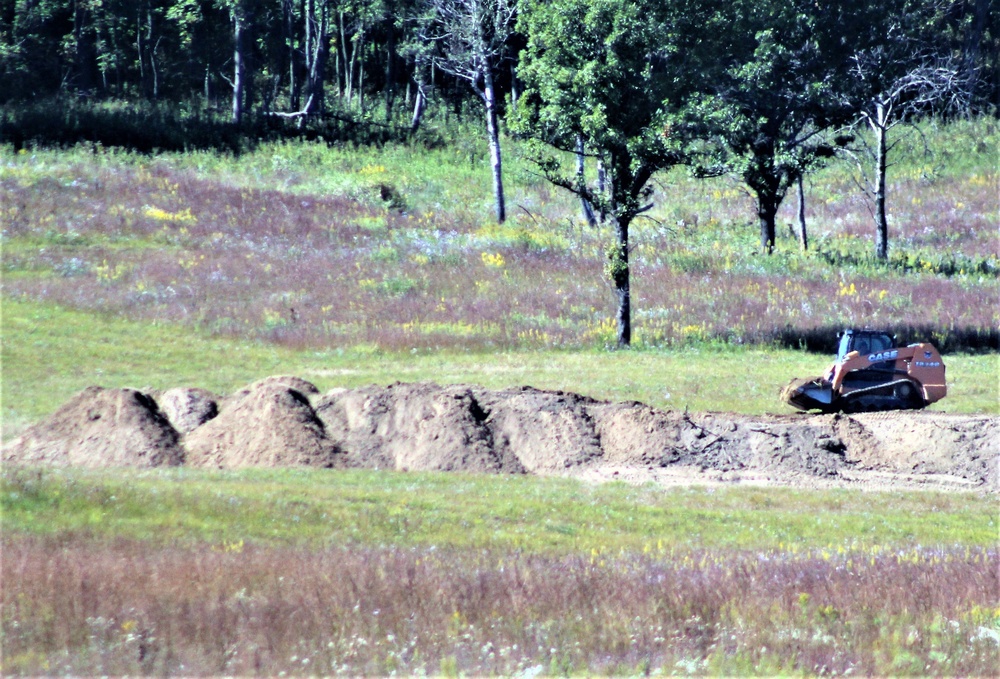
(350, 265)
(358, 264)
(295, 572)
(308, 246)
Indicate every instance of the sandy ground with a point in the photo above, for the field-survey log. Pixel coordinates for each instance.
(285, 420)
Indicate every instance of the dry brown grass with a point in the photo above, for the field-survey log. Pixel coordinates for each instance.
(81, 607)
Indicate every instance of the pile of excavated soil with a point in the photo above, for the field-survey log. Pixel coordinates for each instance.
(415, 427)
(187, 409)
(269, 425)
(286, 421)
(101, 428)
(967, 446)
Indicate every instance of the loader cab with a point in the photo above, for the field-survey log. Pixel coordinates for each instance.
(866, 343)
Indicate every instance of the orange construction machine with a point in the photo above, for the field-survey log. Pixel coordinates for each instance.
(872, 373)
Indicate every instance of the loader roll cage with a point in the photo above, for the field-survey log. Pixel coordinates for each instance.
(864, 342)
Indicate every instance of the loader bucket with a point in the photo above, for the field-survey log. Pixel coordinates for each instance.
(808, 394)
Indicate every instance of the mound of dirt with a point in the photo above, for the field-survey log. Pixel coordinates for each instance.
(460, 428)
(966, 446)
(775, 445)
(101, 428)
(269, 425)
(547, 431)
(308, 389)
(283, 420)
(413, 426)
(188, 409)
(424, 426)
(635, 434)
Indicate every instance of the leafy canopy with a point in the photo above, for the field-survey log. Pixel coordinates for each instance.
(601, 77)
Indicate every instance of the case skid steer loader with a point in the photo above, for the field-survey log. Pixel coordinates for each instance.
(872, 373)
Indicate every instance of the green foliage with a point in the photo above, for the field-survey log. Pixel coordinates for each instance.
(606, 92)
(615, 265)
(600, 84)
(764, 107)
(856, 253)
(610, 87)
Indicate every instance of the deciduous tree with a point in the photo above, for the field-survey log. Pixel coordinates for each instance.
(776, 88)
(601, 77)
(906, 71)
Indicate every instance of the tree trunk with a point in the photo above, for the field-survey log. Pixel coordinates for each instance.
(348, 60)
(881, 223)
(801, 215)
(973, 42)
(602, 181)
(86, 49)
(238, 66)
(419, 103)
(118, 59)
(493, 130)
(620, 277)
(309, 55)
(288, 28)
(207, 86)
(767, 209)
(407, 94)
(588, 210)
(317, 49)
(249, 64)
(154, 68)
(359, 52)
(343, 85)
(515, 88)
(148, 78)
(390, 72)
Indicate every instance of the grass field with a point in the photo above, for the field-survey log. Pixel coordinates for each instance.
(350, 266)
(49, 353)
(310, 246)
(470, 512)
(317, 572)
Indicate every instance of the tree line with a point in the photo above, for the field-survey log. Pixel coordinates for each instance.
(763, 90)
(251, 56)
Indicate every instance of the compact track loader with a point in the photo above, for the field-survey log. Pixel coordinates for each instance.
(871, 373)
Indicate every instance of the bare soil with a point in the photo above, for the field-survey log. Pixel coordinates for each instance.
(101, 428)
(286, 421)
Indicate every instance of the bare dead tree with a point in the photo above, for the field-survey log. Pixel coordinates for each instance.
(317, 34)
(929, 83)
(471, 36)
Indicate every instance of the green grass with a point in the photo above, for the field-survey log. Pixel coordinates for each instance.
(50, 353)
(317, 508)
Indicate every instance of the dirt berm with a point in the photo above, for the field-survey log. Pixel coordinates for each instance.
(285, 420)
